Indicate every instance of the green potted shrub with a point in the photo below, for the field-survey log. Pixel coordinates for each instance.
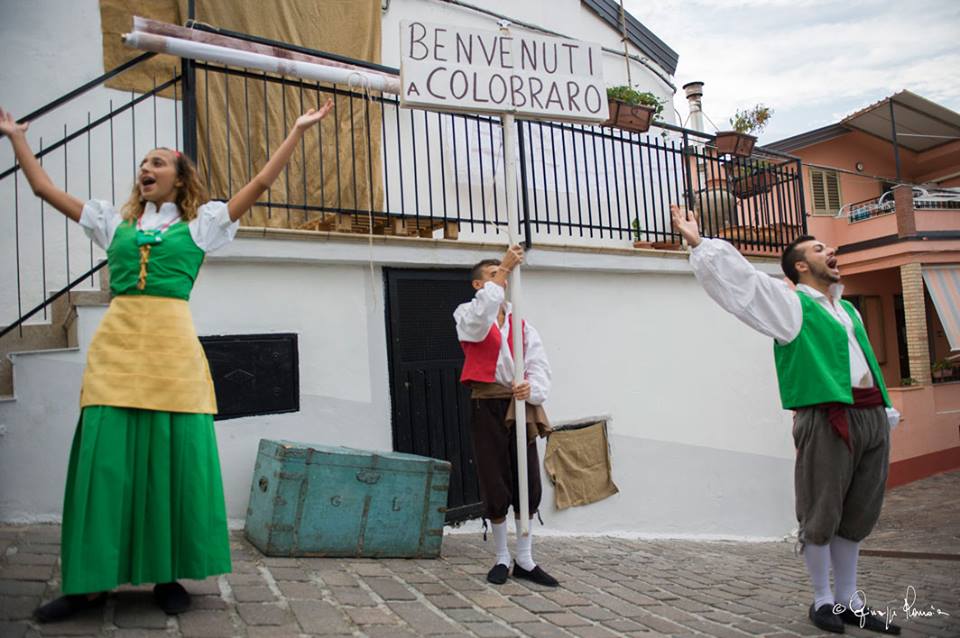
(632, 110)
(659, 245)
(754, 179)
(941, 369)
(739, 141)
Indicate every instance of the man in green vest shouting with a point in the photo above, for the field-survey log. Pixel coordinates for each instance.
(829, 376)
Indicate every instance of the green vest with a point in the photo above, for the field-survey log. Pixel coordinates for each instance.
(814, 368)
(171, 268)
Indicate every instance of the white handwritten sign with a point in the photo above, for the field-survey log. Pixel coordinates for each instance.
(453, 68)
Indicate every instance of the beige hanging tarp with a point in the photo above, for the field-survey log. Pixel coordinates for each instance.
(116, 17)
(577, 461)
(241, 120)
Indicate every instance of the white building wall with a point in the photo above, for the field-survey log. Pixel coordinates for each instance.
(699, 445)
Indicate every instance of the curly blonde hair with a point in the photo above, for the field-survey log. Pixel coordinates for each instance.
(190, 195)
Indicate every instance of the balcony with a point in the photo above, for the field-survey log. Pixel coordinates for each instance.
(898, 215)
(923, 200)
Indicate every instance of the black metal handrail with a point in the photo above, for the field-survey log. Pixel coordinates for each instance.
(87, 86)
(46, 302)
(66, 139)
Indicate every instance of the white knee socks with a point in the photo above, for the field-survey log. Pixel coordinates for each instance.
(524, 548)
(500, 539)
(844, 554)
(817, 558)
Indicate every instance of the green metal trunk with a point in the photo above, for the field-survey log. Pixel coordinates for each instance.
(316, 500)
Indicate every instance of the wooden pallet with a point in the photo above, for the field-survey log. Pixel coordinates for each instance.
(382, 225)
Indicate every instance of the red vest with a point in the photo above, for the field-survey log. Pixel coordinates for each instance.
(480, 363)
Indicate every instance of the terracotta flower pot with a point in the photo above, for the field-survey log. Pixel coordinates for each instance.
(739, 144)
(630, 117)
(752, 184)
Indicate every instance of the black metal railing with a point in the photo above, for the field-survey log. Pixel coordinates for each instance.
(391, 171)
(440, 169)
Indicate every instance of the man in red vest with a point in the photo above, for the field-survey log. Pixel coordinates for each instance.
(485, 329)
(829, 375)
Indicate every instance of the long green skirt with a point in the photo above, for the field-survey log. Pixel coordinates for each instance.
(144, 500)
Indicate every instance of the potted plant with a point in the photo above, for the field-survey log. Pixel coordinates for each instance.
(739, 141)
(632, 110)
(659, 245)
(908, 381)
(637, 242)
(941, 369)
(755, 178)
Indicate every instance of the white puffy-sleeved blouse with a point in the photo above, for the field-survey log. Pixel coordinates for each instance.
(210, 229)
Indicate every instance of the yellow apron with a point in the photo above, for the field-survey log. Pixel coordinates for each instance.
(146, 354)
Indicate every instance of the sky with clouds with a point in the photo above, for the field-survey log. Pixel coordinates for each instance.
(812, 61)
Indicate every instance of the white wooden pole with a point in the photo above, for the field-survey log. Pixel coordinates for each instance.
(514, 290)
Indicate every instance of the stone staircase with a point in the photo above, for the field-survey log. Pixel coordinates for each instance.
(58, 332)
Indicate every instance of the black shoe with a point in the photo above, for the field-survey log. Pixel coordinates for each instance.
(498, 574)
(825, 619)
(67, 606)
(172, 598)
(871, 621)
(535, 575)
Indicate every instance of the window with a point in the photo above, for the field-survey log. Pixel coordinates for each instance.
(825, 191)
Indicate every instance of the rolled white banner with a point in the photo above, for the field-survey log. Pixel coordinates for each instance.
(246, 59)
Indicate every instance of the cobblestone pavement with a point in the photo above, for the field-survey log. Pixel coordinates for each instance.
(610, 587)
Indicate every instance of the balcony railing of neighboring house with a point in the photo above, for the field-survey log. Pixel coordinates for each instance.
(868, 208)
(428, 172)
(936, 198)
(923, 199)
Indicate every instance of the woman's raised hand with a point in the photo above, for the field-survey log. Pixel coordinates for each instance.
(9, 126)
(313, 116)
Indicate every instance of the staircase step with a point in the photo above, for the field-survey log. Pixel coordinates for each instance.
(59, 333)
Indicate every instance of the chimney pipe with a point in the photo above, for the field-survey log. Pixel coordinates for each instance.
(694, 91)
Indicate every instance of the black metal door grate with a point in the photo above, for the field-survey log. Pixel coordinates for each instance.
(430, 407)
